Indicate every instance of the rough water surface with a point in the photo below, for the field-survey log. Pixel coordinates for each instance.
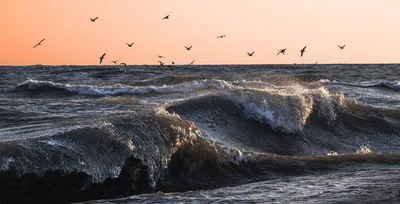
(200, 134)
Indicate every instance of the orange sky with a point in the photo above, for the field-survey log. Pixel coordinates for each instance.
(369, 28)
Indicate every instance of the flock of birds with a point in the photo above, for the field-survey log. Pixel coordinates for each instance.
(187, 48)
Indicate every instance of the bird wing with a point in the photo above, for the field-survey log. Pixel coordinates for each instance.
(36, 45)
(96, 18)
(42, 40)
(301, 54)
(304, 47)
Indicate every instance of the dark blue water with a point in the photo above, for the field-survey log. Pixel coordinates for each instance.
(200, 134)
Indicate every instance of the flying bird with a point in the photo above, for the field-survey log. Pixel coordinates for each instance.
(188, 48)
(281, 51)
(160, 56)
(172, 62)
(94, 19)
(221, 36)
(302, 51)
(123, 64)
(341, 47)
(115, 61)
(130, 45)
(39, 43)
(165, 17)
(192, 62)
(102, 57)
(250, 54)
(161, 63)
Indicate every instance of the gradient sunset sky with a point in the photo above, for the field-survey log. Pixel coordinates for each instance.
(369, 28)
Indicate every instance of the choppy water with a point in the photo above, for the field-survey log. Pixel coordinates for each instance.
(200, 134)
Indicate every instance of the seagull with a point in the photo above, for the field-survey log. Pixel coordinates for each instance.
(102, 57)
(115, 61)
(281, 51)
(341, 47)
(172, 62)
(166, 17)
(161, 63)
(192, 62)
(302, 51)
(130, 45)
(250, 54)
(94, 19)
(188, 48)
(221, 36)
(39, 43)
(160, 56)
(123, 63)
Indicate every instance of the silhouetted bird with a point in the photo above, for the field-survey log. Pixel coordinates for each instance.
(172, 62)
(123, 64)
(130, 45)
(102, 57)
(115, 61)
(221, 36)
(165, 17)
(161, 63)
(192, 62)
(39, 43)
(341, 47)
(188, 48)
(302, 51)
(94, 19)
(281, 51)
(250, 54)
(160, 56)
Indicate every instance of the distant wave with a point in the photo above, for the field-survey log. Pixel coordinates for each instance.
(395, 86)
(119, 89)
(185, 87)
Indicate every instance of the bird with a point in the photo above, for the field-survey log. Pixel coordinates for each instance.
(165, 17)
(94, 19)
(188, 48)
(192, 62)
(123, 64)
(281, 51)
(341, 47)
(250, 54)
(160, 56)
(130, 45)
(115, 61)
(221, 36)
(39, 43)
(172, 62)
(161, 63)
(102, 57)
(302, 51)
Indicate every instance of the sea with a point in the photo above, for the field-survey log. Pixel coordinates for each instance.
(298, 133)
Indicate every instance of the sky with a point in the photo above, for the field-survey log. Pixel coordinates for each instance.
(370, 29)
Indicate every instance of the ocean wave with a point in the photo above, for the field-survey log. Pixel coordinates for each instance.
(123, 155)
(120, 89)
(395, 86)
(302, 122)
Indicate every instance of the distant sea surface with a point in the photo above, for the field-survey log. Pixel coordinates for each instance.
(200, 134)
